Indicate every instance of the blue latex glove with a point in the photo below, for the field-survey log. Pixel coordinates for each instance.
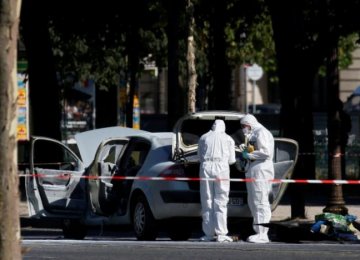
(317, 226)
(245, 155)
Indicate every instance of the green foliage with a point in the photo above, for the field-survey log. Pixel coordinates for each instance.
(255, 45)
(97, 48)
(248, 35)
(95, 45)
(80, 57)
(347, 44)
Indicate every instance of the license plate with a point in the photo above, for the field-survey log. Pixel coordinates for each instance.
(236, 201)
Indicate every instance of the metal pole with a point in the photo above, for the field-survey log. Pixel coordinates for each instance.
(336, 203)
(246, 90)
(253, 96)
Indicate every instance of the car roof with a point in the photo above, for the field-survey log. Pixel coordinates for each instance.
(89, 141)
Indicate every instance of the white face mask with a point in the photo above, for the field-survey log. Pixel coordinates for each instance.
(246, 130)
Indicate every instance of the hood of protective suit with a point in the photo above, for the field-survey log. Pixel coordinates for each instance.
(251, 121)
(218, 126)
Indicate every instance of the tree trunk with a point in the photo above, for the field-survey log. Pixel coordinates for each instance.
(45, 113)
(191, 61)
(220, 94)
(175, 92)
(9, 191)
(132, 41)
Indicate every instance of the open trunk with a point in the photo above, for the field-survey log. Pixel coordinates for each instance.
(285, 157)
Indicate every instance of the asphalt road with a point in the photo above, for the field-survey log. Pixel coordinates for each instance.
(125, 249)
(40, 243)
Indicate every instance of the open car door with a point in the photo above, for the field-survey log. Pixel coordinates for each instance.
(285, 158)
(105, 190)
(54, 184)
(115, 158)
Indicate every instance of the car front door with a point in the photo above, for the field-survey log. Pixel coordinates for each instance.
(54, 180)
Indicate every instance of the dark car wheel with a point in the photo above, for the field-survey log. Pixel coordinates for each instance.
(143, 220)
(73, 229)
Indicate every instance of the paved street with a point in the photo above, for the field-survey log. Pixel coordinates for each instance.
(120, 249)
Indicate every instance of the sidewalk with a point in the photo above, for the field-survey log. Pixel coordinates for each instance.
(316, 200)
(283, 212)
(286, 229)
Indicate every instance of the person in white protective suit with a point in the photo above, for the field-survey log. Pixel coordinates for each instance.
(261, 167)
(216, 152)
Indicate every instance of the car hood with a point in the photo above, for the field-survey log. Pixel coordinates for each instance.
(89, 141)
(189, 128)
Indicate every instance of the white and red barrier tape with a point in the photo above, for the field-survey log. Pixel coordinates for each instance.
(149, 178)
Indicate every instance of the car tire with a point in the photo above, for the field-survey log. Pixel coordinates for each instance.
(144, 224)
(73, 229)
(179, 232)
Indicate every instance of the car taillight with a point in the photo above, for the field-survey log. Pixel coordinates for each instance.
(173, 171)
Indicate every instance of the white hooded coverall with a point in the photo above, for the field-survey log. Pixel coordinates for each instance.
(216, 151)
(261, 167)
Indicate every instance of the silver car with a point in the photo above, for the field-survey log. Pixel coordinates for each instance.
(134, 177)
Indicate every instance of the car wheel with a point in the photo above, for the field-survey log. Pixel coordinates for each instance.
(143, 220)
(179, 232)
(73, 229)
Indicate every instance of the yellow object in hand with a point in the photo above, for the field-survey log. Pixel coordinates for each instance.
(250, 148)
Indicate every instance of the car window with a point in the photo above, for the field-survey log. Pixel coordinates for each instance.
(136, 154)
(109, 154)
(51, 155)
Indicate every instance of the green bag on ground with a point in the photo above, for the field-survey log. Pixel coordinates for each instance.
(338, 222)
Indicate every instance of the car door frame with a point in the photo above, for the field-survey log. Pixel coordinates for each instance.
(101, 198)
(51, 191)
(99, 184)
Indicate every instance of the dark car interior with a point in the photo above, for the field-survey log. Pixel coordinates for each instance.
(128, 164)
(192, 130)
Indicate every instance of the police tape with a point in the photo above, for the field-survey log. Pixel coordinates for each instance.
(168, 178)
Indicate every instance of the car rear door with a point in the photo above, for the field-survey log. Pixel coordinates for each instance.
(53, 182)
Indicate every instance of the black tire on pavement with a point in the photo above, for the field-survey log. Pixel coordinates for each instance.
(179, 232)
(144, 224)
(73, 229)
